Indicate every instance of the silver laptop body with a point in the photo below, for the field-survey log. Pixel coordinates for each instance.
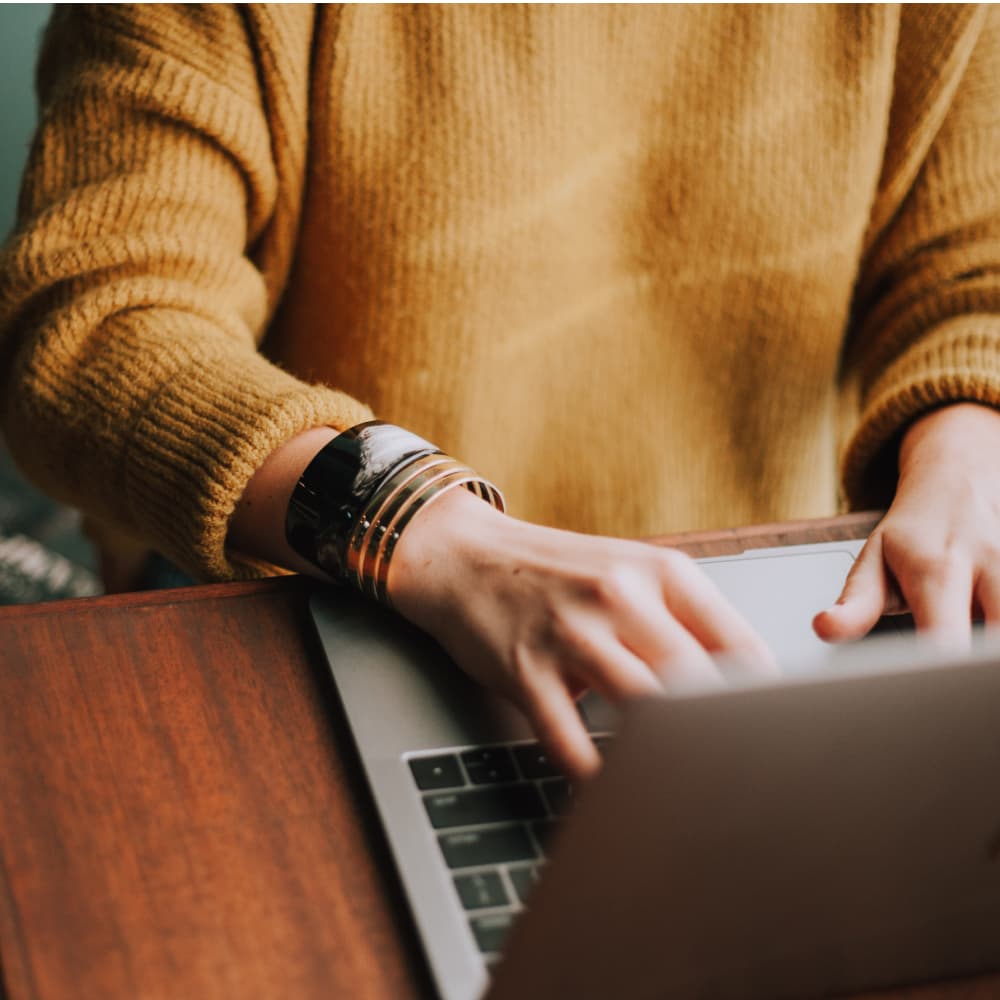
(407, 704)
(812, 838)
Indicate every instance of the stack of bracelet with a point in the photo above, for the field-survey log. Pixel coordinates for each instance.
(356, 497)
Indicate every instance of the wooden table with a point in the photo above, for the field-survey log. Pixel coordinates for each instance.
(181, 811)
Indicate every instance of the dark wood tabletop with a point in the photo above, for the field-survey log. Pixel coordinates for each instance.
(182, 814)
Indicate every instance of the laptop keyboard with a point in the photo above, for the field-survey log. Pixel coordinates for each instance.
(493, 810)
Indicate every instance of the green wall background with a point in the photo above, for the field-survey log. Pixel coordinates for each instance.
(21, 27)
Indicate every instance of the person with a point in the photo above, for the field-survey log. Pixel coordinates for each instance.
(646, 269)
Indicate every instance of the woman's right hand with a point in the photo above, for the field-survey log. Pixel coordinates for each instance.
(541, 615)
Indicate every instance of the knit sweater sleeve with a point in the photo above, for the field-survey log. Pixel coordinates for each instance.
(156, 228)
(926, 327)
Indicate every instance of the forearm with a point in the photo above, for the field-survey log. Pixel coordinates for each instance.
(143, 273)
(924, 329)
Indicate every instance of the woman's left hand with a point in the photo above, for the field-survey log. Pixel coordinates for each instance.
(937, 550)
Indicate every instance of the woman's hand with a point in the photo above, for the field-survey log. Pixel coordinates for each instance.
(937, 550)
(537, 614)
(541, 615)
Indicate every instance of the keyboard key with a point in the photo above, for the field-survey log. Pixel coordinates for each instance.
(534, 762)
(472, 848)
(436, 772)
(489, 765)
(491, 929)
(484, 805)
(481, 889)
(523, 879)
(559, 795)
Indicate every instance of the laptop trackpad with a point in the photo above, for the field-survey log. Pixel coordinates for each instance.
(779, 595)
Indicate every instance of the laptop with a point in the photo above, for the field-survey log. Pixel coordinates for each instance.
(475, 813)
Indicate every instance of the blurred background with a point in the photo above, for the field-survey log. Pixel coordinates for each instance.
(43, 554)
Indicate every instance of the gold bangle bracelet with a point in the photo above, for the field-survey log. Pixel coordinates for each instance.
(371, 525)
(393, 517)
(360, 491)
(395, 504)
(387, 515)
(401, 515)
(470, 481)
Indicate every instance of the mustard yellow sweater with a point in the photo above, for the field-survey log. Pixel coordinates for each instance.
(647, 268)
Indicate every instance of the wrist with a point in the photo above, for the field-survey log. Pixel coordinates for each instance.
(943, 432)
(257, 528)
(359, 495)
(449, 539)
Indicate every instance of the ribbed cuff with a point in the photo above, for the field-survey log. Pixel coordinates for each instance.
(957, 362)
(198, 444)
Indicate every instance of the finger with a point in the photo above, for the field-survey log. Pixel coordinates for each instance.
(556, 721)
(652, 637)
(705, 612)
(682, 665)
(987, 594)
(615, 671)
(862, 601)
(939, 593)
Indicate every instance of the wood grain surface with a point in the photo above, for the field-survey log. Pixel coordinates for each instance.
(180, 817)
(181, 811)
